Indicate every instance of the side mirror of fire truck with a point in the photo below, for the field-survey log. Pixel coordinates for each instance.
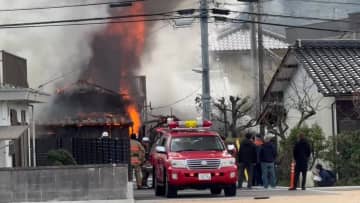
(160, 149)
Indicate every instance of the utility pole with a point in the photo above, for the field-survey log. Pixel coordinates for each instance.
(257, 54)
(205, 59)
(254, 53)
(260, 64)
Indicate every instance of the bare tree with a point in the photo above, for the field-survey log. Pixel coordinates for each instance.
(233, 113)
(302, 99)
(276, 120)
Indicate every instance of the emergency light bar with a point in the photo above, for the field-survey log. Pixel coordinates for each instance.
(190, 124)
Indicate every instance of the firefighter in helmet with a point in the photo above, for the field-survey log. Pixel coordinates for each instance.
(137, 159)
(146, 167)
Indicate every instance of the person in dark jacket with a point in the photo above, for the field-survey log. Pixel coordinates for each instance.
(257, 178)
(247, 158)
(327, 178)
(301, 154)
(267, 158)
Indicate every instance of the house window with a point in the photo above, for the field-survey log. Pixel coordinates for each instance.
(13, 117)
(23, 117)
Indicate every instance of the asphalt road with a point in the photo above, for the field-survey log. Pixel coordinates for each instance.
(334, 195)
(147, 196)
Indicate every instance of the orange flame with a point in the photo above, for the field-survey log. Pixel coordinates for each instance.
(132, 39)
(135, 117)
(132, 111)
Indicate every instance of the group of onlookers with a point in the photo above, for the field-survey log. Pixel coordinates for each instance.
(257, 157)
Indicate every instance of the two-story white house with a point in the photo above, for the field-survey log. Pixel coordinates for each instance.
(16, 112)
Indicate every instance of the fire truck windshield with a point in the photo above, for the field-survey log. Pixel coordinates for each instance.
(196, 143)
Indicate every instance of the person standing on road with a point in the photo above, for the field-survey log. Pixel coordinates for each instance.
(267, 158)
(257, 179)
(247, 159)
(301, 152)
(137, 152)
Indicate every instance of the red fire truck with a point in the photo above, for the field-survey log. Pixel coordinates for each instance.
(189, 155)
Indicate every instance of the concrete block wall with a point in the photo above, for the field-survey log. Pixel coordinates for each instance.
(68, 183)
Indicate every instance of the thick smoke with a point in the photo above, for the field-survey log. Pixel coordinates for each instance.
(169, 63)
(118, 48)
(50, 51)
(172, 84)
(116, 51)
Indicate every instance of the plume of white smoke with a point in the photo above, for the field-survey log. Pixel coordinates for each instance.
(50, 51)
(171, 83)
(172, 54)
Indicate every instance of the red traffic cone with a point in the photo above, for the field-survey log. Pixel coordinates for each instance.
(292, 176)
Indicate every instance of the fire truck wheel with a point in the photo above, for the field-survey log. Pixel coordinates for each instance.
(159, 190)
(215, 191)
(170, 191)
(230, 190)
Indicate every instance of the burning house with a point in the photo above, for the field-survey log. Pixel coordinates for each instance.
(108, 97)
(80, 114)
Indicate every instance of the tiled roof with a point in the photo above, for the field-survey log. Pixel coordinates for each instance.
(91, 119)
(83, 86)
(239, 39)
(334, 65)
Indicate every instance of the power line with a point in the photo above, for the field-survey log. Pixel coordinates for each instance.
(58, 78)
(84, 19)
(177, 101)
(294, 17)
(328, 2)
(96, 23)
(163, 15)
(233, 20)
(66, 6)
